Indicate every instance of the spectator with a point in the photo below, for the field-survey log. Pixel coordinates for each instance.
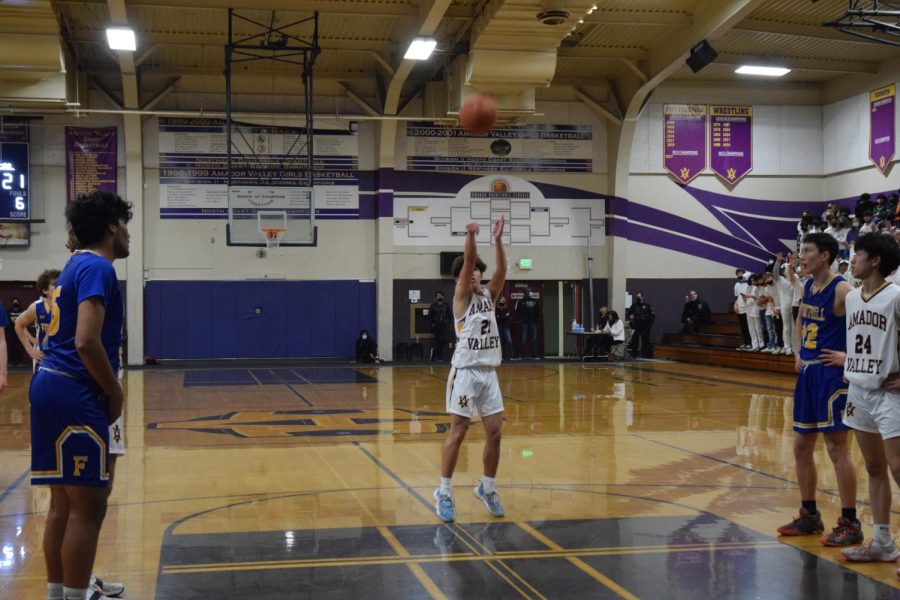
(844, 271)
(882, 210)
(16, 354)
(740, 307)
(842, 235)
(868, 225)
(593, 342)
(501, 311)
(641, 317)
(753, 318)
(785, 301)
(366, 348)
(616, 330)
(441, 325)
(833, 228)
(768, 302)
(695, 313)
(863, 205)
(528, 309)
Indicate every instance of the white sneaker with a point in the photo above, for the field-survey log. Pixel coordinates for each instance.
(107, 589)
(871, 552)
(788, 351)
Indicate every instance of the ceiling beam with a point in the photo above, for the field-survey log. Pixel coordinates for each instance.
(331, 7)
(597, 107)
(359, 101)
(119, 16)
(600, 53)
(800, 31)
(636, 69)
(267, 75)
(799, 64)
(617, 17)
(153, 102)
(220, 40)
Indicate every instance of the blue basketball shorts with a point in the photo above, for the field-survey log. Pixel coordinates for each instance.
(820, 398)
(69, 431)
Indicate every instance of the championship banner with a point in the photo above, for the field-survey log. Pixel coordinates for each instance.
(731, 141)
(881, 126)
(91, 160)
(684, 149)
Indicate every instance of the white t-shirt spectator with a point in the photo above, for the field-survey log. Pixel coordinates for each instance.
(740, 287)
(752, 306)
(798, 291)
(617, 330)
(785, 295)
(772, 293)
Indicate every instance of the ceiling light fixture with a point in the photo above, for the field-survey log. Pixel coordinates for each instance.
(762, 71)
(420, 49)
(121, 38)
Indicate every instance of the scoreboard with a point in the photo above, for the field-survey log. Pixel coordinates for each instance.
(14, 203)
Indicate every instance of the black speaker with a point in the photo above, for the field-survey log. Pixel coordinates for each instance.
(701, 55)
(447, 259)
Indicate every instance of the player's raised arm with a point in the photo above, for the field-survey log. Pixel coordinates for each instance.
(463, 292)
(495, 287)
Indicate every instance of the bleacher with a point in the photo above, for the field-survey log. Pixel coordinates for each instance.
(716, 346)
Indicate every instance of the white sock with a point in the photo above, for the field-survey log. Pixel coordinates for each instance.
(75, 593)
(55, 591)
(446, 485)
(881, 534)
(488, 484)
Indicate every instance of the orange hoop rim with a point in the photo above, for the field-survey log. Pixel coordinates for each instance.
(272, 232)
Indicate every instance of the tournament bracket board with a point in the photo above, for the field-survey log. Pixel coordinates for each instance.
(14, 204)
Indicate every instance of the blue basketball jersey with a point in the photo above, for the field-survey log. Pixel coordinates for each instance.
(42, 323)
(821, 328)
(85, 276)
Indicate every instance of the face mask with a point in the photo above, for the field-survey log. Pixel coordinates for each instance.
(365, 337)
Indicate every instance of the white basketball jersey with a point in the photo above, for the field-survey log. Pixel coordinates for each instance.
(872, 323)
(478, 339)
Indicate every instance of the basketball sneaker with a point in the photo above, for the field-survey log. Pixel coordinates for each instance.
(871, 552)
(444, 507)
(847, 533)
(106, 588)
(491, 501)
(804, 524)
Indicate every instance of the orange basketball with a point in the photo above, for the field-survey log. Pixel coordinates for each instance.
(478, 113)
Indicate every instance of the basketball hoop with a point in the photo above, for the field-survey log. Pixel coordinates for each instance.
(273, 236)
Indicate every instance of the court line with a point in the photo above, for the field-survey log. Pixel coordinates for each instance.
(298, 394)
(413, 559)
(12, 487)
(433, 590)
(460, 532)
(594, 573)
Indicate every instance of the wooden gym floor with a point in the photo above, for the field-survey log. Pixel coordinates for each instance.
(649, 480)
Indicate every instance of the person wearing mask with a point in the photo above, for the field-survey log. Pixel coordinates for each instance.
(502, 313)
(366, 348)
(441, 325)
(528, 309)
(616, 330)
(695, 313)
(641, 317)
(863, 205)
(740, 307)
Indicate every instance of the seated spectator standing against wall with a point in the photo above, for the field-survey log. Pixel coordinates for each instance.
(696, 313)
(441, 325)
(641, 317)
(528, 309)
(501, 311)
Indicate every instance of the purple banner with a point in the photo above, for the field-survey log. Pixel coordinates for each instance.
(731, 142)
(881, 126)
(684, 149)
(91, 160)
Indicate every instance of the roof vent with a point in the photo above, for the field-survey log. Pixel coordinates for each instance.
(553, 16)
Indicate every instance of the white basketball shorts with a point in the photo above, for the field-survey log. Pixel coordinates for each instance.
(474, 391)
(873, 411)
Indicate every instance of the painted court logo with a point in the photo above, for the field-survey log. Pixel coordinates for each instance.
(312, 422)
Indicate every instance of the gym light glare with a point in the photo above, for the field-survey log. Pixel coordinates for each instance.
(420, 49)
(121, 38)
(762, 71)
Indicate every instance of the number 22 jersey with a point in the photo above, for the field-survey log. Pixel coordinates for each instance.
(821, 328)
(478, 340)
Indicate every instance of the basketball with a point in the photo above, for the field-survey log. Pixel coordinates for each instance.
(478, 113)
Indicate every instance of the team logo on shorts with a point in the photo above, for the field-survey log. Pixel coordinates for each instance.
(117, 435)
(464, 402)
(849, 410)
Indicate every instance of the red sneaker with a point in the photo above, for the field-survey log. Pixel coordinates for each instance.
(847, 533)
(805, 524)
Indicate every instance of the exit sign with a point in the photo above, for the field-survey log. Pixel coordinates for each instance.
(526, 264)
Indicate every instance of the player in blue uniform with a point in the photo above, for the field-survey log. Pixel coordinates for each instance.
(75, 394)
(39, 315)
(821, 394)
